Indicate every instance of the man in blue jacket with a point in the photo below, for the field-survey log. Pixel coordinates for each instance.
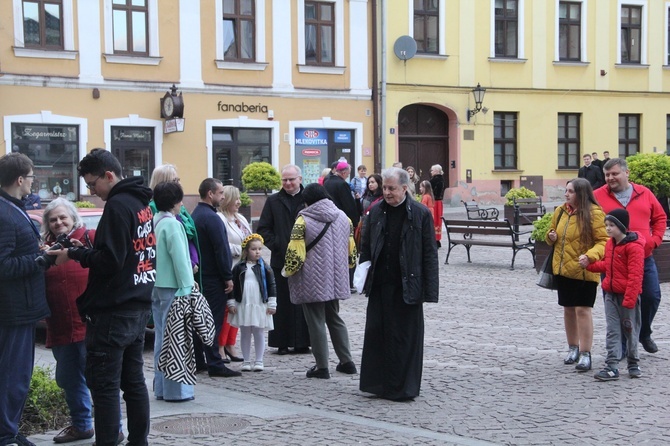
(117, 301)
(21, 295)
(215, 260)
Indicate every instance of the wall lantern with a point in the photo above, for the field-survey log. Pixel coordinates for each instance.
(478, 92)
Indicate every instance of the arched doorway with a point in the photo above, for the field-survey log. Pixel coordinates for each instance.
(423, 139)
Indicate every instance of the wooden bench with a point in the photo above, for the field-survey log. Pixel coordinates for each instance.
(471, 233)
(474, 212)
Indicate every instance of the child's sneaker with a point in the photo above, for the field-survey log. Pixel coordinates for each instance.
(258, 366)
(246, 366)
(634, 371)
(607, 374)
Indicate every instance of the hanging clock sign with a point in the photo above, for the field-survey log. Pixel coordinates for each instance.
(172, 104)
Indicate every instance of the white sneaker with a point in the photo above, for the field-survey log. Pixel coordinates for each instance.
(258, 366)
(246, 366)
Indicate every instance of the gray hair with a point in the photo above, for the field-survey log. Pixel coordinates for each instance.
(292, 166)
(437, 168)
(396, 172)
(621, 162)
(69, 207)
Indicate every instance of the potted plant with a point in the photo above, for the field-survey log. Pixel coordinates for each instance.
(653, 171)
(260, 176)
(517, 192)
(539, 234)
(245, 205)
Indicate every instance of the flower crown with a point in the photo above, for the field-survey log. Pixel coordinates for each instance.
(251, 237)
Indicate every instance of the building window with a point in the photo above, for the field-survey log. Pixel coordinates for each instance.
(667, 134)
(319, 33)
(43, 24)
(504, 140)
(629, 135)
(631, 34)
(239, 30)
(506, 28)
(569, 137)
(426, 29)
(134, 147)
(54, 151)
(130, 27)
(569, 24)
(235, 148)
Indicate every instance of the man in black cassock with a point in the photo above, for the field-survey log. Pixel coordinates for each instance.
(399, 239)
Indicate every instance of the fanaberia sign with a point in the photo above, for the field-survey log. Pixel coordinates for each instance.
(242, 108)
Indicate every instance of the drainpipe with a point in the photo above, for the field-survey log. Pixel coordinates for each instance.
(375, 91)
(383, 82)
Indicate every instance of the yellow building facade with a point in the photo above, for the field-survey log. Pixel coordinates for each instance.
(562, 78)
(283, 81)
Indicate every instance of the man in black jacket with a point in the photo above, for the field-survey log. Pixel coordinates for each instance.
(21, 294)
(591, 172)
(275, 225)
(215, 260)
(117, 301)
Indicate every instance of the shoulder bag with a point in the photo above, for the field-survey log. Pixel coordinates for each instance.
(546, 278)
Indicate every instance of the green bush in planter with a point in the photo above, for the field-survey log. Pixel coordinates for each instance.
(245, 199)
(518, 192)
(83, 204)
(541, 227)
(651, 170)
(261, 176)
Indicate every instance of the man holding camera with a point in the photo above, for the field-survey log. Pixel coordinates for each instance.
(22, 296)
(117, 301)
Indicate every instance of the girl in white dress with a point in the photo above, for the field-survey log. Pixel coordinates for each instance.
(254, 301)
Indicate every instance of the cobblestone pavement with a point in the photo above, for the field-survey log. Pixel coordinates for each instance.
(493, 374)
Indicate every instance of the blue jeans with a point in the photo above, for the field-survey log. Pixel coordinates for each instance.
(650, 298)
(114, 344)
(17, 356)
(70, 369)
(164, 388)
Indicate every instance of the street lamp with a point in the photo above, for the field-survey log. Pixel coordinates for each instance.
(478, 93)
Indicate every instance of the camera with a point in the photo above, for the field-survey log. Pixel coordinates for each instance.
(45, 260)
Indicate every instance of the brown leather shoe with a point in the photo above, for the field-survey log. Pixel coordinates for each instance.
(71, 433)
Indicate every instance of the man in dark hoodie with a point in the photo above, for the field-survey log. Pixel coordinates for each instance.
(117, 301)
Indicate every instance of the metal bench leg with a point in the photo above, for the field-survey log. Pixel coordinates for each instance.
(468, 248)
(513, 257)
(446, 261)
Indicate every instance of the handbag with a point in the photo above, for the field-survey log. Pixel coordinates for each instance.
(546, 278)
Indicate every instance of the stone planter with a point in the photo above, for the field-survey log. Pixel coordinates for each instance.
(508, 214)
(542, 250)
(662, 258)
(246, 213)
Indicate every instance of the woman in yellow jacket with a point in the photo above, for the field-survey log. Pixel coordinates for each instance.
(577, 229)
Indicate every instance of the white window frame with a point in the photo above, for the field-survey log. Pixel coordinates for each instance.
(67, 52)
(339, 41)
(154, 53)
(260, 64)
(240, 122)
(582, 36)
(521, 52)
(442, 30)
(643, 34)
(45, 118)
(327, 123)
(666, 47)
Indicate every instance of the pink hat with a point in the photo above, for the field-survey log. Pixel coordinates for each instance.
(342, 166)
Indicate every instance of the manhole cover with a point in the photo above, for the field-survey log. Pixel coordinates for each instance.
(199, 425)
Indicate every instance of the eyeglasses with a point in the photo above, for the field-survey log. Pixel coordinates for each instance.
(32, 177)
(92, 184)
(176, 180)
(289, 180)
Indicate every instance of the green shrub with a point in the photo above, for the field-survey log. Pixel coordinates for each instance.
(541, 227)
(651, 170)
(518, 192)
(245, 199)
(261, 176)
(45, 408)
(83, 204)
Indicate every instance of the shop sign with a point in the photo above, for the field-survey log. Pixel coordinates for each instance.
(311, 152)
(311, 137)
(242, 108)
(174, 125)
(341, 136)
